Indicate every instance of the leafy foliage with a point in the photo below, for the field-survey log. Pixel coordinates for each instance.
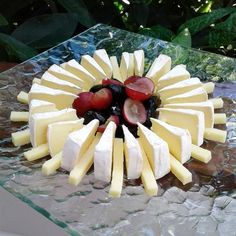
(30, 26)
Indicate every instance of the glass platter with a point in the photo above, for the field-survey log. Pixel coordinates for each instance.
(207, 206)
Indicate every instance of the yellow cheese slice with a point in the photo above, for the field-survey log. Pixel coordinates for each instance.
(147, 176)
(200, 154)
(20, 138)
(36, 81)
(23, 97)
(216, 135)
(220, 118)
(50, 166)
(37, 153)
(217, 102)
(118, 169)
(84, 163)
(139, 62)
(181, 173)
(19, 116)
(115, 69)
(209, 87)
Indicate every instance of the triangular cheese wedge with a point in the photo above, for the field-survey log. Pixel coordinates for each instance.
(139, 62)
(115, 68)
(40, 106)
(126, 65)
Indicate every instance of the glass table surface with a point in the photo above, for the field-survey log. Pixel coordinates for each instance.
(207, 206)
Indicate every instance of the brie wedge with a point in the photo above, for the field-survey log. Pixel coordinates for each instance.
(40, 106)
(188, 119)
(156, 150)
(115, 68)
(139, 62)
(52, 81)
(58, 132)
(92, 66)
(103, 154)
(38, 124)
(75, 68)
(61, 98)
(160, 66)
(63, 74)
(133, 155)
(178, 139)
(206, 107)
(77, 143)
(126, 65)
(103, 61)
(177, 74)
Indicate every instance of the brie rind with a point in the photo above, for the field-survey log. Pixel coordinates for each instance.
(178, 139)
(103, 154)
(139, 62)
(38, 123)
(156, 150)
(77, 143)
(133, 155)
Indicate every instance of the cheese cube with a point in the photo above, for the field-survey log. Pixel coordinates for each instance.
(133, 155)
(40, 106)
(58, 132)
(63, 74)
(206, 107)
(23, 97)
(61, 98)
(216, 135)
(220, 118)
(147, 176)
(160, 66)
(92, 66)
(75, 68)
(19, 116)
(37, 152)
(156, 150)
(118, 170)
(191, 120)
(50, 166)
(52, 81)
(177, 74)
(126, 65)
(200, 154)
(179, 140)
(103, 154)
(115, 69)
(217, 102)
(139, 62)
(84, 163)
(21, 138)
(103, 61)
(209, 87)
(77, 143)
(38, 124)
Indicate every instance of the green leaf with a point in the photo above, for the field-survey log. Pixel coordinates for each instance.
(3, 20)
(183, 38)
(198, 23)
(46, 30)
(218, 37)
(158, 31)
(78, 7)
(15, 48)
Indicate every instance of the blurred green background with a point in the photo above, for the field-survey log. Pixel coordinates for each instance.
(28, 27)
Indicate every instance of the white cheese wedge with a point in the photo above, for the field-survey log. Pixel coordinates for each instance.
(209, 87)
(179, 88)
(36, 81)
(61, 98)
(50, 166)
(115, 68)
(103, 154)
(21, 138)
(188, 119)
(58, 132)
(216, 135)
(126, 65)
(77, 143)
(200, 154)
(177, 74)
(217, 102)
(63, 65)
(19, 116)
(118, 169)
(139, 62)
(220, 118)
(23, 97)
(92, 66)
(133, 155)
(195, 95)
(40, 106)
(37, 152)
(147, 176)
(156, 150)
(178, 139)
(38, 124)
(160, 66)
(84, 163)
(75, 68)
(52, 81)
(63, 74)
(206, 107)
(103, 61)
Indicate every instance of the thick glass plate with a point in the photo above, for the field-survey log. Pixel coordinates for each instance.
(207, 206)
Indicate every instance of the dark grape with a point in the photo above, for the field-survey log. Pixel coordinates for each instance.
(90, 115)
(96, 88)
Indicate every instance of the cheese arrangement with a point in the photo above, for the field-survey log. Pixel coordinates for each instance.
(101, 114)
